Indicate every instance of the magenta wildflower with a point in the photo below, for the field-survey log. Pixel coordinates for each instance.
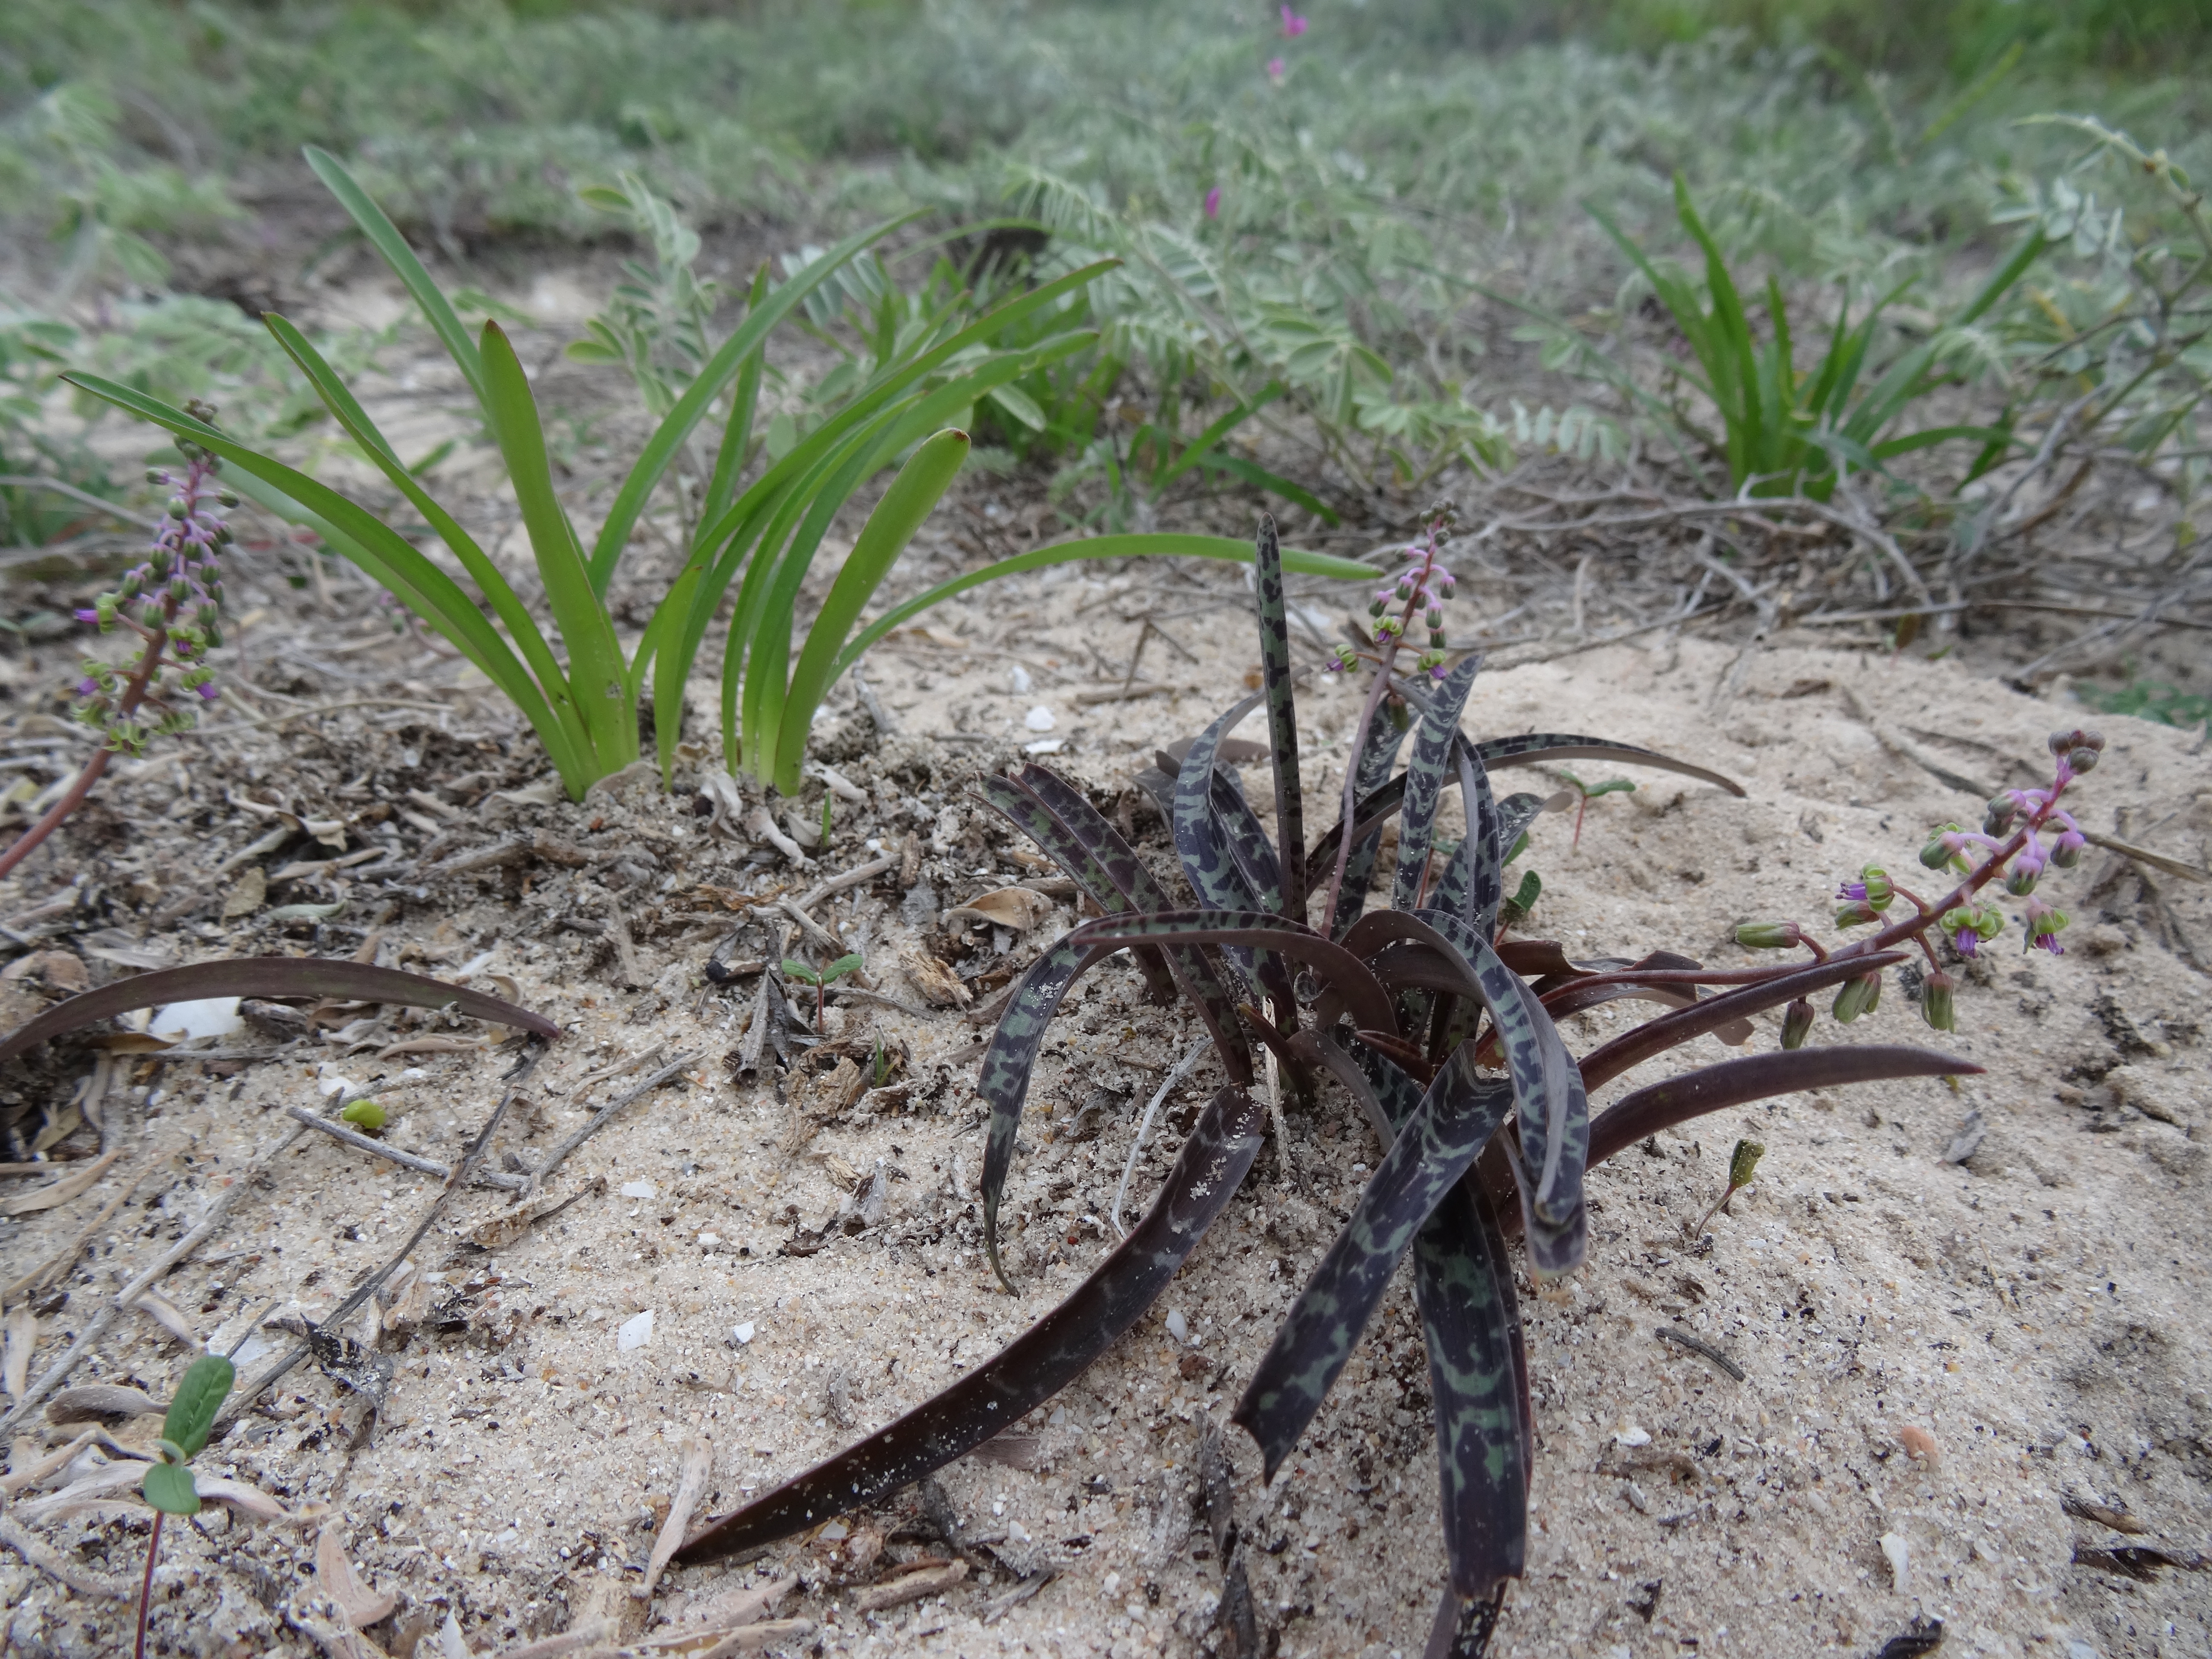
(1214, 202)
(1293, 25)
(1275, 70)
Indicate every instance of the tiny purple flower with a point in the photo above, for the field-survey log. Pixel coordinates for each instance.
(1214, 202)
(1968, 941)
(209, 692)
(87, 686)
(1275, 70)
(1293, 25)
(1852, 889)
(87, 616)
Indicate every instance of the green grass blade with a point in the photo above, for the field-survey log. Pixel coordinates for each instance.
(912, 497)
(346, 409)
(384, 236)
(1260, 478)
(1202, 445)
(596, 673)
(661, 450)
(379, 550)
(738, 432)
(1295, 562)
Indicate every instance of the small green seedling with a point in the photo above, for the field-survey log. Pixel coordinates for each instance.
(880, 1067)
(1743, 1162)
(168, 1486)
(1586, 792)
(1514, 910)
(826, 803)
(366, 1116)
(821, 979)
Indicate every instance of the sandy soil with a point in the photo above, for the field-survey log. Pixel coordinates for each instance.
(2033, 1309)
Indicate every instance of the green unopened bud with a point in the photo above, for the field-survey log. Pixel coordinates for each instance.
(1769, 935)
(2083, 759)
(1797, 1023)
(1997, 818)
(1936, 855)
(1937, 1007)
(1856, 914)
(2020, 882)
(1857, 997)
(228, 498)
(1743, 1162)
(1879, 889)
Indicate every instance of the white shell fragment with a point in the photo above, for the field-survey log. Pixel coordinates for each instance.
(1178, 1327)
(636, 1189)
(208, 1017)
(1039, 719)
(1900, 1556)
(742, 1333)
(635, 1332)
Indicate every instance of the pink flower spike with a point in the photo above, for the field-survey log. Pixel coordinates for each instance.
(1275, 70)
(1293, 25)
(1214, 202)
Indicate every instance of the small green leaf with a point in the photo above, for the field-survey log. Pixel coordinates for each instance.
(799, 971)
(365, 1115)
(170, 1489)
(206, 1385)
(840, 968)
(1610, 787)
(1743, 1162)
(1531, 889)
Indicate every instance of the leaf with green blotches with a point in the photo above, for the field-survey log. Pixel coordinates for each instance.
(170, 1488)
(1434, 744)
(1282, 718)
(1434, 1147)
(206, 1385)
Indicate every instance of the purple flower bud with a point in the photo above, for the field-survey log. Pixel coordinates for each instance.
(1293, 26)
(2066, 852)
(209, 692)
(2043, 924)
(86, 687)
(1275, 68)
(1214, 202)
(87, 616)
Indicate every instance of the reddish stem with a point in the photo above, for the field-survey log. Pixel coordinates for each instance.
(146, 1589)
(133, 694)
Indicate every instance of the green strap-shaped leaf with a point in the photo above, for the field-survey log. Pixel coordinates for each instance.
(384, 236)
(1030, 1371)
(1117, 860)
(597, 675)
(199, 1396)
(912, 496)
(1438, 1145)
(1282, 718)
(738, 430)
(383, 553)
(1007, 1063)
(514, 615)
(668, 438)
(1434, 741)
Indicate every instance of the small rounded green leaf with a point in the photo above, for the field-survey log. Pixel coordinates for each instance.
(198, 1398)
(169, 1488)
(365, 1115)
(843, 965)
